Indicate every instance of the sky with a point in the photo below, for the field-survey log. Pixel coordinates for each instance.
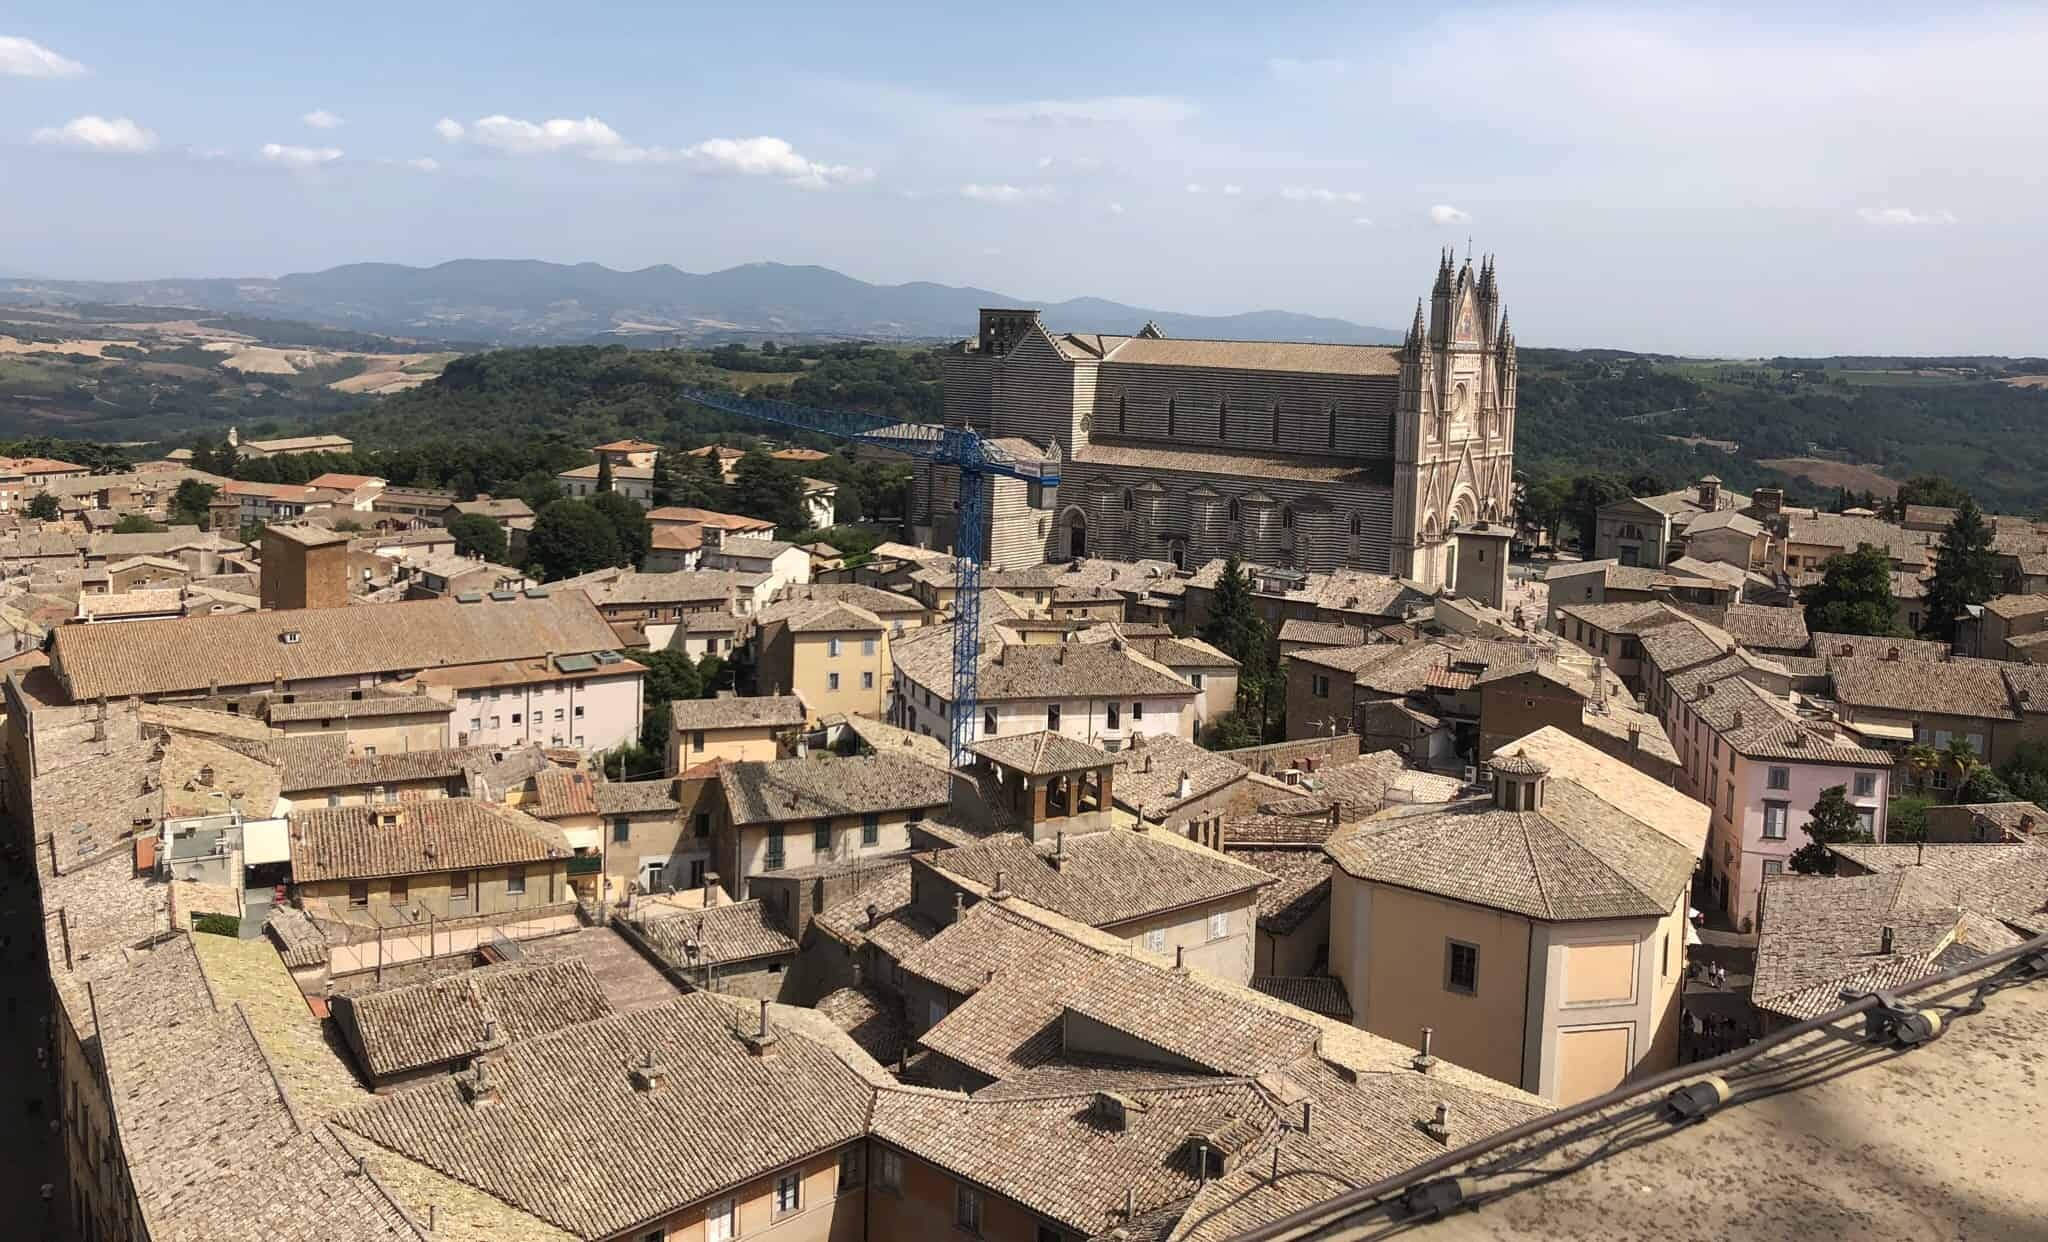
(1799, 179)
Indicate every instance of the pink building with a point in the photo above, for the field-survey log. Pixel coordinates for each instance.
(1761, 765)
(588, 701)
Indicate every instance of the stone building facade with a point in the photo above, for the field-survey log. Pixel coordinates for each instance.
(1305, 455)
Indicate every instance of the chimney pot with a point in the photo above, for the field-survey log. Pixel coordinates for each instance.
(1884, 939)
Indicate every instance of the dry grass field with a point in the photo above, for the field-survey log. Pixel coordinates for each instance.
(1835, 474)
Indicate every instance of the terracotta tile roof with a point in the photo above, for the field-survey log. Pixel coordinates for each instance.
(299, 939)
(209, 1140)
(880, 736)
(568, 1102)
(1042, 753)
(1075, 670)
(403, 1029)
(1106, 878)
(321, 761)
(1150, 768)
(559, 793)
(443, 834)
(707, 517)
(777, 791)
(1315, 993)
(736, 932)
(1575, 857)
(762, 711)
(195, 653)
(1960, 687)
(1301, 885)
(1866, 647)
(1818, 936)
(1772, 629)
(871, 1017)
(369, 707)
(2008, 882)
(1267, 828)
(636, 797)
(1322, 633)
(1054, 1154)
(2010, 606)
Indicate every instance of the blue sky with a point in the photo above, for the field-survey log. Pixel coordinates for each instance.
(1825, 179)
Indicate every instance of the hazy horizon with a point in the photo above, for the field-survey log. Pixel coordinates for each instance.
(1743, 182)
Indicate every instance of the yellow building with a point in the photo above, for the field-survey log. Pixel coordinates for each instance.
(730, 730)
(1538, 932)
(833, 656)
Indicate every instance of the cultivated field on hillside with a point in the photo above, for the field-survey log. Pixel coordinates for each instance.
(1829, 473)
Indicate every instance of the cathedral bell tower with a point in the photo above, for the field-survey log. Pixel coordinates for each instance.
(1454, 425)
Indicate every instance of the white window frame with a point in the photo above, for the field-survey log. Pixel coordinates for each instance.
(789, 1192)
(1219, 924)
(1155, 940)
(720, 1221)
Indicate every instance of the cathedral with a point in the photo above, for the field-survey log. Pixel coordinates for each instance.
(1314, 457)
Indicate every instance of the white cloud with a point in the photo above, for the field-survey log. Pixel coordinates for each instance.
(98, 133)
(1195, 187)
(321, 118)
(1288, 69)
(593, 139)
(299, 157)
(1045, 161)
(1116, 209)
(1003, 193)
(1905, 216)
(516, 137)
(1233, 189)
(1444, 213)
(25, 58)
(425, 163)
(774, 157)
(1097, 110)
(1364, 222)
(1317, 194)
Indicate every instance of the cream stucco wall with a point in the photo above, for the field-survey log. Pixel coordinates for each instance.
(1389, 946)
(736, 745)
(1229, 955)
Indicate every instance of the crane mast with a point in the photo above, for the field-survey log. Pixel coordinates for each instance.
(977, 458)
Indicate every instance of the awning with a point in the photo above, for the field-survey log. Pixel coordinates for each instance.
(1888, 732)
(265, 841)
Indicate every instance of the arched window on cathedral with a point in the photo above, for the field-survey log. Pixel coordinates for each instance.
(1333, 425)
(1172, 416)
(1287, 517)
(1276, 422)
(1232, 509)
(1223, 419)
(1130, 500)
(1121, 420)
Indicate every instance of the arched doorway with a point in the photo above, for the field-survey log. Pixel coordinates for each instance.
(1071, 539)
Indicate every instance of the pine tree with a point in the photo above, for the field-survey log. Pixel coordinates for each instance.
(1236, 629)
(604, 472)
(1965, 571)
(662, 486)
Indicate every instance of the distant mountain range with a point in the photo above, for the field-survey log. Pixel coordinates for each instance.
(525, 302)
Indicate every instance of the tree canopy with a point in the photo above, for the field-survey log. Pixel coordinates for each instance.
(1854, 595)
(43, 507)
(571, 537)
(1236, 629)
(477, 535)
(1833, 821)
(1965, 571)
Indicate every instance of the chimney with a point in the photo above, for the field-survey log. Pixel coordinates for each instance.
(711, 879)
(1735, 722)
(1423, 1062)
(762, 1041)
(2026, 825)
(648, 1078)
(874, 913)
(1884, 939)
(1185, 787)
(1635, 741)
(959, 906)
(1439, 1127)
(998, 892)
(1180, 959)
(478, 1089)
(1059, 849)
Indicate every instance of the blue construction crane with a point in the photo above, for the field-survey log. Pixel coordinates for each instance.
(976, 458)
